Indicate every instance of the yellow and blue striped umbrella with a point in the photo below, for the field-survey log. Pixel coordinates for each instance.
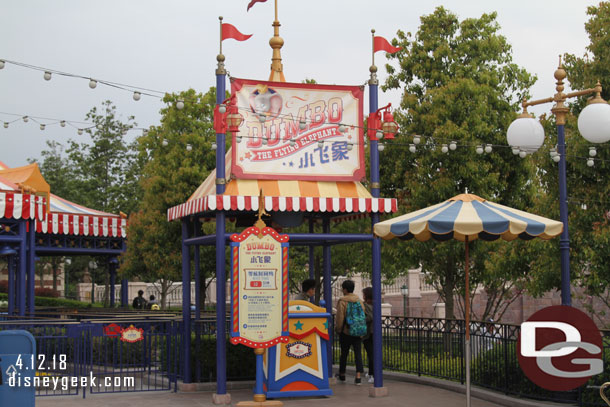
(468, 215)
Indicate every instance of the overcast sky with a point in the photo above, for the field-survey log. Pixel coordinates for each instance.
(172, 45)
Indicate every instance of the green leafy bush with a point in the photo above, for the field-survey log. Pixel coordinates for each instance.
(56, 302)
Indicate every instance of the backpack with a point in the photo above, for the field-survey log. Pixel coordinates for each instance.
(139, 303)
(355, 319)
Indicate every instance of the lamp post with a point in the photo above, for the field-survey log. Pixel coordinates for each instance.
(527, 135)
(405, 298)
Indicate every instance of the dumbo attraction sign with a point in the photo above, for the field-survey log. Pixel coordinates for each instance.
(298, 131)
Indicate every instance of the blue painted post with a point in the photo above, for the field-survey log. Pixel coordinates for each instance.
(328, 294)
(564, 239)
(22, 267)
(31, 282)
(112, 265)
(376, 249)
(259, 394)
(197, 282)
(11, 284)
(124, 293)
(311, 252)
(221, 334)
(186, 302)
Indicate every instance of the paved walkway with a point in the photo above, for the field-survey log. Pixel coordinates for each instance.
(401, 394)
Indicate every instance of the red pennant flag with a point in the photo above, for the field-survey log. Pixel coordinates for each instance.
(253, 2)
(381, 44)
(229, 31)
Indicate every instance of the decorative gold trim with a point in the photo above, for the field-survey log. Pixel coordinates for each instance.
(376, 185)
(221, 181)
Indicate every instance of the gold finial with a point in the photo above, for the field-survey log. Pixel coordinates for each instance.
(560, 110)
(276, 42)
(260, 223)
(597, 98)
(373, 69)
(220, 70)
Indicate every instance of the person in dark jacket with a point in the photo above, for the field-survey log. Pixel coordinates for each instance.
(308, 290)
(367, 340)
(139, 302)
(345, 339)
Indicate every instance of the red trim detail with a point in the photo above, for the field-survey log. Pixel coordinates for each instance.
(299, 385)
(306, 334)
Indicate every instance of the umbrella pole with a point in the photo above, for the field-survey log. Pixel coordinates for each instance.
(467, 321)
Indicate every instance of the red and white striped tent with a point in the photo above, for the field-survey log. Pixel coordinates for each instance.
(340, 198)
(63, 218)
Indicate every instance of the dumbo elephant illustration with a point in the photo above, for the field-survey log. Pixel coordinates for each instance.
(265, 102)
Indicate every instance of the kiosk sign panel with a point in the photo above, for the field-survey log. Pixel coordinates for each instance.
(298, 131)
(259, 288)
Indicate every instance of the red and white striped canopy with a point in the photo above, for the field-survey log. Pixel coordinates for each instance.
(342, 198)
(15, 205)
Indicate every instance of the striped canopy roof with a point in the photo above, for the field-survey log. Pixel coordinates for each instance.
(468, 215)
(65, 217)
(281, 195)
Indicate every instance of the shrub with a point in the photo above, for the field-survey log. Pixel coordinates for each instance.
(45, 292)
(55, 302)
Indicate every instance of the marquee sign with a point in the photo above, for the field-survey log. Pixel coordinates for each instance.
(259, 287)
(284, 124)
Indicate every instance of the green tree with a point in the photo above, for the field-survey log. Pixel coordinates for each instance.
(178, 158)
(459, 84)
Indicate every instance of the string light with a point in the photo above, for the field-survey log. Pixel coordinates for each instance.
(479, 149)
(62, 123)
(590, 162)
(416, 139)
(25, 119)
(92, 83)
(47, 76)
(214, 146)
(350, 146)
(320, 143)
(592, 152)
(452, 146)
(164, 143)
(1, 63)
(522, 153)
(42, 126)
(189, 147)
(238, 139)
(302, 125)
(412, 148)
(80, 132)
(557, 158)
(6, 125)
(180, 105)
(137, 96)
(292, 143)
(515, 151)
(380, 147)
(444, 148)
(379, 134)
(488, 148)
(264, 141)
(222, 109)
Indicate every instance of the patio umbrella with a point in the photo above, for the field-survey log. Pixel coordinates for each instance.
(468, 217)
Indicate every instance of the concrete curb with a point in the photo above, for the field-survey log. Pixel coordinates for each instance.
(477, 392)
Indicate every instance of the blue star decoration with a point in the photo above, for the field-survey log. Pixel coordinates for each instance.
(298, 326)
(326, 324)
(291, 164)
(298, 307)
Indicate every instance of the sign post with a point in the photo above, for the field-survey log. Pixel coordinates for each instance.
(259, 295)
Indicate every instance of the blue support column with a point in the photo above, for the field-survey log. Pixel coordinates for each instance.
(376, 246)
(186, 303)
(328, 294)
(221, 312)
(197, 261)
(311, 252)
(11, 284)
(564, 239)
(31, 268)
(124, 293)
(23, 259)
(112, 266)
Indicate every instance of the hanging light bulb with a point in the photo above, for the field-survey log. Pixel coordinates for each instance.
(320, 143)
(380, 147)
(189, 147)
(180, 105)
(583, 207)
(264, 141)
(292, 143)
(164, 143)
(42, 126)
(92, 83)
(6, 125)
(342, 128)
(137, 96)
(222, 108)
(238, 139)
(412, 148)
(80, 132)
(452, 146)
(592, 152)
(479, 149)
(379, 134)
(1, 64)
(522, 153)
(262, 118)
(302, 125)
(25, 119)
(515, 150)
(416, 140)
(100, 126)
(552, 152)
(214, 146)
(350, 146)
(590, 162)
(444, 148)
(557, 157)
(488, 148)
(47, 76)
(145, 132)
(62, 123)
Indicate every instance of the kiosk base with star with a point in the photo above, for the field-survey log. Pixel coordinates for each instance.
(299, 368)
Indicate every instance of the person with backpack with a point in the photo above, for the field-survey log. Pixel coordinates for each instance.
(350, 324)
(139, 302)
